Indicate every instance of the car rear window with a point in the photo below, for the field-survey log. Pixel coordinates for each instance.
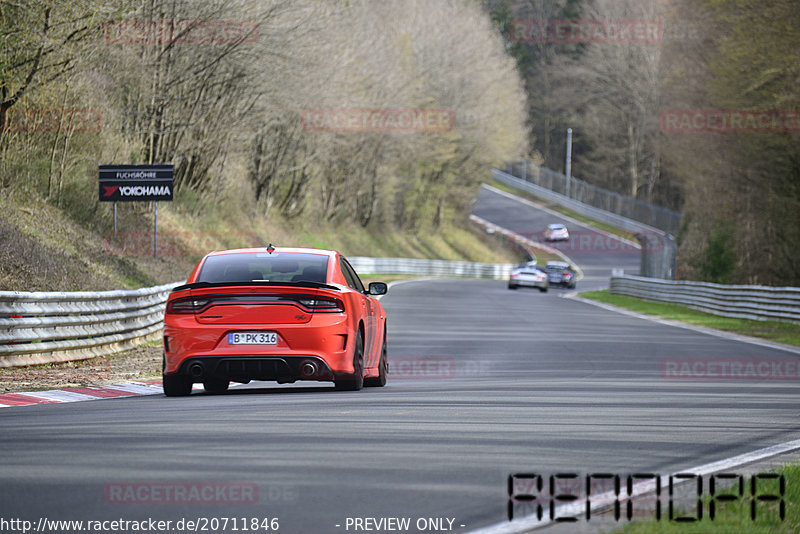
(532, 268)
(275, 267)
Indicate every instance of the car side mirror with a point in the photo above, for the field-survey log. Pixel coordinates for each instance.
(377, 288)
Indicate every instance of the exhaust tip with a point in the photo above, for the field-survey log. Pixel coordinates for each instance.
(196, 370)
(308, 369)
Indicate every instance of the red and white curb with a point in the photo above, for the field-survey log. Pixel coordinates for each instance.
(54, 396)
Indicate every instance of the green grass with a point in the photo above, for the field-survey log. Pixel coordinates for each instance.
(569, 213)
(734, 516)
(780, 332)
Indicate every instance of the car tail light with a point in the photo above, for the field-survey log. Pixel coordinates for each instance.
(309, 303)
(186, 305)
(321, 304)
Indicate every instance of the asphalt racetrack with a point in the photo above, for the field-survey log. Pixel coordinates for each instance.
(484, 382)
(596, 252)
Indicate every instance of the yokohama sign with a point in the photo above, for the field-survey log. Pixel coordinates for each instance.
(130, 183)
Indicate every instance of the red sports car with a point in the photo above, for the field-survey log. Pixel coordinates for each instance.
(274, 313)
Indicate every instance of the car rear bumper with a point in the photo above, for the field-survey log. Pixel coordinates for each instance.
(326, 339)
(243, 368)
(521, 282)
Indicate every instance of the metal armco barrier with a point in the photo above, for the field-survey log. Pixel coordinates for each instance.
(47, 327)
(746, 302)
(604, 200)
(417, 267)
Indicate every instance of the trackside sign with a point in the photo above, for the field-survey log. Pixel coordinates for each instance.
(131, 183)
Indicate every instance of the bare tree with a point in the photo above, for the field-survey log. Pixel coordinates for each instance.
(621, 82)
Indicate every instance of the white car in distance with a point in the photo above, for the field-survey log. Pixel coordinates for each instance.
(556, 232)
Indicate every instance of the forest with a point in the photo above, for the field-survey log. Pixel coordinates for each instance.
(714, 61)
(224, 89)
(387, 115)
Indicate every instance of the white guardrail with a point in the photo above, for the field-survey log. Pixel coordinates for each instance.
(417, 267)
(747, 302)
(47, 327)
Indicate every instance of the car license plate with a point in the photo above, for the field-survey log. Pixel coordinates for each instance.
(252, 338)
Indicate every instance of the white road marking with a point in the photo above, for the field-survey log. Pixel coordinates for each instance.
(139, 389)
(58, 396)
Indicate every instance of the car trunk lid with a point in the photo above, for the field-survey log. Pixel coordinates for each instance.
(257, 304)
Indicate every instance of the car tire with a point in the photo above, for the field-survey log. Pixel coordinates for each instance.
(355, 381)
(215, 385)
(543, 289)
(383, 367)
(512, 286)
(176, 385)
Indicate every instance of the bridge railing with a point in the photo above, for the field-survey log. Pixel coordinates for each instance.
(420, 267)
(653, 215)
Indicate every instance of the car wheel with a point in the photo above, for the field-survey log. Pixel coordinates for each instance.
(543, 289)
(512, 286)
(176, 385)
(215, 385)
(355, 381)
(383, 366)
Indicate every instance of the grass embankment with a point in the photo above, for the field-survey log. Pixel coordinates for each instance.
(735, 516)
(780, 332)
(44, 248)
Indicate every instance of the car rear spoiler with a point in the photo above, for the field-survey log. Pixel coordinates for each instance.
(198, 285)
